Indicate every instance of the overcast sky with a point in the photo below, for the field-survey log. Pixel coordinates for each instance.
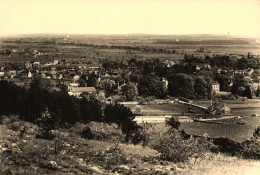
(236, 17)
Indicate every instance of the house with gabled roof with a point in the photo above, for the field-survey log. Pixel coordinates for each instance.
(219, 109)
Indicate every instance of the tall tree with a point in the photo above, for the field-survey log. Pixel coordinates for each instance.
(129, 91)
(123, 116)
(239, 82)
(224, 82)
(181, 85)
(150, 86)
(200, 87)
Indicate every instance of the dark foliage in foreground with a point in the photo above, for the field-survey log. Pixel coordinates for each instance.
(29, 104)
(249, 149)
(51, 109)
(123, 117)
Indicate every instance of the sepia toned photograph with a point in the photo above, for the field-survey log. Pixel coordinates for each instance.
(137, 87)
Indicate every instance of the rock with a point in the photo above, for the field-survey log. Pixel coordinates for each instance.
(124, 167)
(158, 170)
(145, 169)
(95, 169)
(121, 169)
(53, 164)
(81, 162)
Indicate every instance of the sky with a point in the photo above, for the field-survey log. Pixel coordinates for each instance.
(234, 17)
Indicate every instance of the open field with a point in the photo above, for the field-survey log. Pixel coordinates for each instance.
(230, 129)
(234, 132)
(125, 47)
(162, 109)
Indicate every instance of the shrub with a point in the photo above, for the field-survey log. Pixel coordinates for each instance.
(99, 131)
(109, 158)
(8, 119)
(256, 134)
(86, 133)
(227, 146)
(173, 147)
(104, 131)
(149, 134)
(173, 123)
(46, 123)
(13, 122)
(138, 109)
(77, 128)
(138, 136)
(116, 157)
(16, 126)
(251, 149)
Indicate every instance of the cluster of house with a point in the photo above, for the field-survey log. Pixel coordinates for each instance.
(25, 52)
(67, 75)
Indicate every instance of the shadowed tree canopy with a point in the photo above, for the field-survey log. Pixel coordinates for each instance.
(200, 87)
(224, 82)
(181, 85)
(129, 91)
(239, 82)
(150, 86)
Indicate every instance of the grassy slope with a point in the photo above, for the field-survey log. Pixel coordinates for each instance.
(28, 155)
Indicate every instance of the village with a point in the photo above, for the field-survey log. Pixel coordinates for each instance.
(106, 82)
(129, 87)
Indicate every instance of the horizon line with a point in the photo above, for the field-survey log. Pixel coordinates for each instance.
(111, 34)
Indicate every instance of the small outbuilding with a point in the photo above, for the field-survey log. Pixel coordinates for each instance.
(219, 109)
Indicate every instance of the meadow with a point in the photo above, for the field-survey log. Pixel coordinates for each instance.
(93, 47)
(234, 132)
(231, 128)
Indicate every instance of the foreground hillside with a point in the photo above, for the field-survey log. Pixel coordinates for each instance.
(69, 153)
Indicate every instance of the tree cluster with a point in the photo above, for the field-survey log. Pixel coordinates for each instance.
(30, 103)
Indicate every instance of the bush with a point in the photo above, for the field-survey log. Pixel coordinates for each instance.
(116, 157)
(138, 109)
(13, 122)
(256, 134)
(16, 126)
(251, 150)
(42, 134)
(173, 123)
(173, 147)
(103, 131)
(9, 119)
(46, 123)
(109, 158)
(86, 133)
(149, 134)
(99, 131)
(77, 128)
(227, 146)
